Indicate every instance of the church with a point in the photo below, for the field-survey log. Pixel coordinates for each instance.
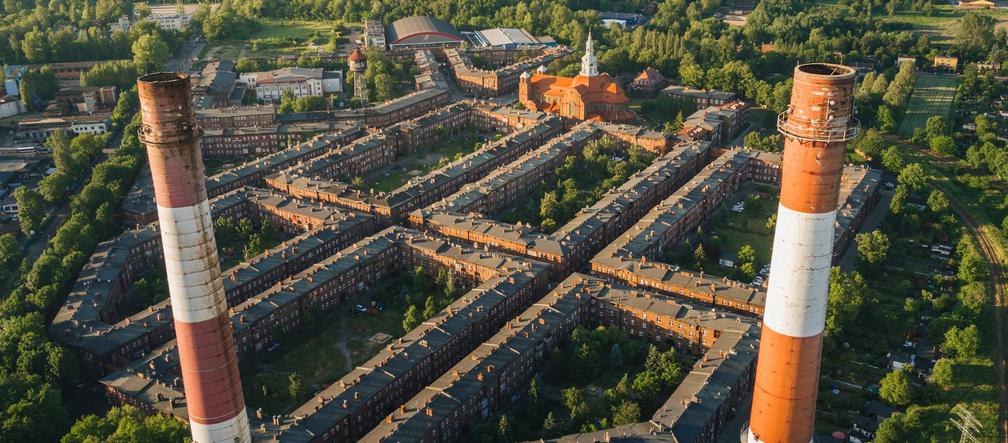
(587, 96)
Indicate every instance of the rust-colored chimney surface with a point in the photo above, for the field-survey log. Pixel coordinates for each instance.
(206, 347)
(816, 128)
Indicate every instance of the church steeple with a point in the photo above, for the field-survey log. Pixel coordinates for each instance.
(589, 65)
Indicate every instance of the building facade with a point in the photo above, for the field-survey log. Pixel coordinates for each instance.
(587, 96)
(300, 82)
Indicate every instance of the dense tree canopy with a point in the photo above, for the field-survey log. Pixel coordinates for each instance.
(127, 424)
(846, 296)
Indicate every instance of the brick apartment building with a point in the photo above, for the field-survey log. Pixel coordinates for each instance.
(485, 380)
(503, 286)
(635, 257)
(495, 82)
(237, 117)
(574, 243)
(92, 321)
(718, 124)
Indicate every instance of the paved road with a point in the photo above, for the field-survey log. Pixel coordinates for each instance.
(182, 62)
(351, 42)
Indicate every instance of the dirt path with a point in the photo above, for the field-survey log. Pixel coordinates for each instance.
(989, 250)
(994, 262)
(340, 345)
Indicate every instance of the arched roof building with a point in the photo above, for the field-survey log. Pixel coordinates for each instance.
(421, 31)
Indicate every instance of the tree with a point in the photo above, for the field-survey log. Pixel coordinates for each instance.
(577, 406)
(127, 424)
(549, 205)
(936, 126)
(886, 119)
(944, 145)
(35, 46)
(504, 428)
(892, 159)
(31, 209)
(973, 295)
(653, 360)
(37, 87)
(770, 143)
(10, 253)
(534, 392)
(384, 86)
(295, 386)
(625, 413)
(449, 287)
(149, 52)
(647, 384)
(699, 254)
(771, 222)
(937, 202)
(691, 74)
(971, 266)
(895, 388)
(748, 269)
(226, 22)
(913, 176)
(747, 254)
(430, 307)
(550, 425)
(844, 300)
(899, 427)
(870, 143)
(975, 35)
(943, 373)
(962, 343)
(410, 319)
(872, 247)
(900, 196)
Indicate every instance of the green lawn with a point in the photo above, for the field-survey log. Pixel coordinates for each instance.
(424, 160)
(316, 354)
(580, 183)
(328, 345)
(298, 34)
(940, 26)
(726, 232)
(588, 368)
(932, 95)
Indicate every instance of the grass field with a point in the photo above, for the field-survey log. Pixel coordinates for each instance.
(297, 36)
(727, 232)
(338, 343)
(424, 160)
(932, 95)
(940, 26)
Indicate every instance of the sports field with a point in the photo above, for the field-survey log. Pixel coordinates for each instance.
(932, 95)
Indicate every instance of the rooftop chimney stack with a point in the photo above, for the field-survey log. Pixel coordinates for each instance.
(205, 344)
(816, 128)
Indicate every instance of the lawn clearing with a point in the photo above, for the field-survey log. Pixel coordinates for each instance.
(296, 36)
(939, 27)
(727, 232)
(932, 95)
(326, 348)
(424, 160)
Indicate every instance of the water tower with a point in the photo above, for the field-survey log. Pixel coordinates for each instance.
(358, 64)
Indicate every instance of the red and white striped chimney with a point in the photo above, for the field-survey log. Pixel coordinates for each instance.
(816, 128)
(202, 326)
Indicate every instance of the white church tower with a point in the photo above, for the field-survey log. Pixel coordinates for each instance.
(589, 65)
